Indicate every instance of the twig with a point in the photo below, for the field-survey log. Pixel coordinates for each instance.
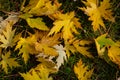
(115, 17)
(13, 75)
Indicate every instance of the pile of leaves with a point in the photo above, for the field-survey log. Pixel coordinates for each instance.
(43, 37)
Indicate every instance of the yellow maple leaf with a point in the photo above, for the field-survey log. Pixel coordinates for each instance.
(26, 46)
(114, 54)
(97, 12)
(78, 46)
(48, 63)
(33, 74)
(41, 47)
(82, 71)
(44, 72)
(30, 75)
(42, 7)
(105, 10)
(7, 38)
(66, 23)
(45, 45)
(81, 48)
(7, 61)
(69, 47)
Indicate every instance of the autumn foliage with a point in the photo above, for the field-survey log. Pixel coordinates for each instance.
(52, 45)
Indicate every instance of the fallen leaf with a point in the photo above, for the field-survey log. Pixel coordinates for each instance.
(81, 48)
(7, 61)
(11, 19)
(102, 42)
(26, 46)
(82, 71)
(97, 12)
(37, 23)
(61, 57)
(114, 54)
(7, 38)
(65, 23)
(45, 45)
(42, 7)
(42, 74)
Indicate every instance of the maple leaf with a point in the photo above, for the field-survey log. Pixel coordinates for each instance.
(106, 11)
(45, 45)
(96, 12)
(82, 71)
(7, 61)
(45, 49)
(6, 38)
(62, 55)
(81, 48)
(30, 76)
(69, 47)
(67, 24)
(26, 46)
(102, 42)
(42, 74)
(42, 7)
(114, 53)
(47, 62)
(99, 49)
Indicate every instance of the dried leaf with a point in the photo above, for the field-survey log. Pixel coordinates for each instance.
(11, 19)
(61, 57)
